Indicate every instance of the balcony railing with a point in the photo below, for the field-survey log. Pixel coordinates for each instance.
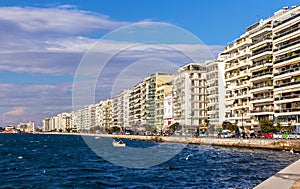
(261, 97)
(286, 32)
(261, 74)
(262, 110)
(287, 84)
(287, 71)
(261, 51)
(262, 85)
(284, 110)
(287, 58)
(287, 45)
(260, 40)
(287, 97)
(286, 20)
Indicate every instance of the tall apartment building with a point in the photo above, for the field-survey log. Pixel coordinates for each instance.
(286, 57)
(105, 115)
(121, 110)
(215, 93)
(160, 95)
(60, 122)
(260, 74)
(189, 95)
(142, 100)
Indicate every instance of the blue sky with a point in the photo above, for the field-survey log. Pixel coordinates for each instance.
(42, 42)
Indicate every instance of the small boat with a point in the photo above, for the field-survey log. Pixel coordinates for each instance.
(119, 143)
(97, 137)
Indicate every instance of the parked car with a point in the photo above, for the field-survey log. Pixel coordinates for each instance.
(252, 135)
(226, 134)
(277, 136)
(260, 135)
(285, 135)
(268, 135)
(294, 136)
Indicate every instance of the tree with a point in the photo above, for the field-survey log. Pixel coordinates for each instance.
(226, 125)
(266, 126)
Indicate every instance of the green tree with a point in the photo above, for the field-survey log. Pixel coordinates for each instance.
(226, 125)
(266, 126)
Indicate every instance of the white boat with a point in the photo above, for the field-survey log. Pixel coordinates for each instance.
(97, 137)
(119, 143)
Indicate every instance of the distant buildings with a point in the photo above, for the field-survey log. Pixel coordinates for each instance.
(191, 97)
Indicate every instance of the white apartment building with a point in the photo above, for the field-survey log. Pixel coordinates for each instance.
(189, 95)
(168, 111)
(27, 127)
(286, 57)
(121, 110)
(215, 93)
(261, 72)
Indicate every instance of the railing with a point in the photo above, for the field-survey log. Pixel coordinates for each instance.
(286, 33)
(262, 85)
(260, 63)
(287, 71)
(260, 40)
(262, 110)
(261, 97)
(288, 97)
(261, 51)
(286, 20)
(286, 58)
(261, 74)
(287, 45)
(296, 109)
(287, 84)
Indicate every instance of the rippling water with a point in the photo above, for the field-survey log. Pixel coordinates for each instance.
(60, 161)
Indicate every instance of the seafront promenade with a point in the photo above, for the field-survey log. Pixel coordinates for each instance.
(272, 144)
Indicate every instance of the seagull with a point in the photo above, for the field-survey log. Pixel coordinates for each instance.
(292, 150)
(187, 158)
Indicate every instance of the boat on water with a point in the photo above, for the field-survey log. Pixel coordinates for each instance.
(97, 137)
(119, 143)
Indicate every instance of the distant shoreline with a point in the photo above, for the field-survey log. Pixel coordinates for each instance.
(271, 144)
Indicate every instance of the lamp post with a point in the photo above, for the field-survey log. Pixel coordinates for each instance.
(243, 110)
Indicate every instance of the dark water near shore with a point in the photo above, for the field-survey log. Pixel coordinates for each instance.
(60, 161)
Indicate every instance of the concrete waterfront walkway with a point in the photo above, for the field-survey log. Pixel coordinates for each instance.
(288, 178)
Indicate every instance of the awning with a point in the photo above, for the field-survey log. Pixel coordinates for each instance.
(261, 46)
(229, 102)
(202, 127)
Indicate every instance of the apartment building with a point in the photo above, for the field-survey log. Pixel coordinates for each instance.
(168, 111)
(215, 93)
(60, 122)
(189, 95)
(120, 110)
(261, 71)
(105, 114)
(286, 59)
(160, 98)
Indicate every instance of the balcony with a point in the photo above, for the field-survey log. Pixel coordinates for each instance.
(286, 97)
(286, 20)
(286, 45)
(259, 99)
(288, 56)
(286, 32)
(261, 75)
(287, 110)
(254, 53)
(288, 83)
(260, 110)
(262, 87)
(291, 70)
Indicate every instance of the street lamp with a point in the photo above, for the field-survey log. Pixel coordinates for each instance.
(243, 110)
